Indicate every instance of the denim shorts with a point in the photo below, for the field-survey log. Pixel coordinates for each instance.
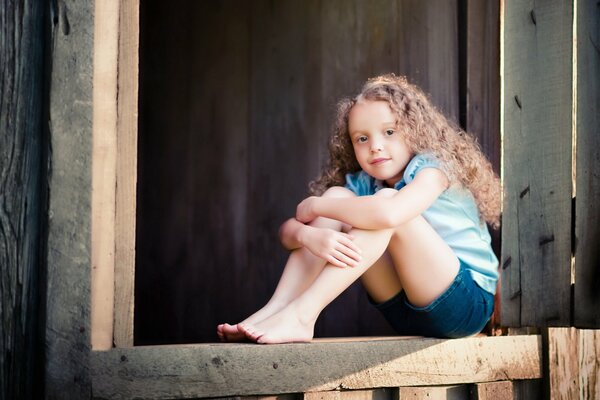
(462, 310)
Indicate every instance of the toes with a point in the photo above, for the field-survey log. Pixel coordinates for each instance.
(250, 331)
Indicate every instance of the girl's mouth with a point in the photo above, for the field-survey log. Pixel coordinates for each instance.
(378, 161)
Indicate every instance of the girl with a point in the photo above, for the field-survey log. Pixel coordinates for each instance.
(410, 222)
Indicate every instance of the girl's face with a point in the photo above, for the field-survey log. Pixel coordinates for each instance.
(379, 148)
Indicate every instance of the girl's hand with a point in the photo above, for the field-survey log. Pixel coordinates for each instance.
(304, 211)
(337, 248)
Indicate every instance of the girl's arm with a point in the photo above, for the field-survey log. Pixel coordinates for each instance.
(334, 247)
(379, 212)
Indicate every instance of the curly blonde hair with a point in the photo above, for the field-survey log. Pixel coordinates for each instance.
(425, 130)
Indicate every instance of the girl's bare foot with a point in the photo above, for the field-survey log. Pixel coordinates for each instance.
(285, 326)
(232, 333)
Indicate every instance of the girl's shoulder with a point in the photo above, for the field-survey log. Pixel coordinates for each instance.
(418, 163)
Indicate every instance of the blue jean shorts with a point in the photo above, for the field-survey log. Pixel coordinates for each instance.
(462, 310)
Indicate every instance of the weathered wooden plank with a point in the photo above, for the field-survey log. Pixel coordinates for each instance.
(428, 38)
(189, 371)
(23, 172)
(373, 394)
(536, 118)
(587, 212)
(69, 259)
(483, 76)
(493, 391)
(482, 93)
(126, 171)
(459, 392)
(574, 366)
(104, 172)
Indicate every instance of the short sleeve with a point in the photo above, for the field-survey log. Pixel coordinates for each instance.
(360, 183)
(418, 163)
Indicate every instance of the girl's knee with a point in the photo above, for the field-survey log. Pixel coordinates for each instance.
(338, 191)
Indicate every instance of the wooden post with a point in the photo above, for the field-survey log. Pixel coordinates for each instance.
(587, 212)
(573, 368)
(70, 117)
(22, 193)
(536, 113)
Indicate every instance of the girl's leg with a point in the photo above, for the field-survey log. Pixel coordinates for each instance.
(299, 273)
(295, 322)
(424, 263)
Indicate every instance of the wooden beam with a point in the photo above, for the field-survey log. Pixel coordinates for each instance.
(574, 371)
(104, 171)
(493, 391)
(190, 371)
(372, 394)
(536, 116)
(69, 261)
(456, 392)
(126, 172)
(587, 212)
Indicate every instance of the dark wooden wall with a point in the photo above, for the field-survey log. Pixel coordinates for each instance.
(236, 101)
(22, 193)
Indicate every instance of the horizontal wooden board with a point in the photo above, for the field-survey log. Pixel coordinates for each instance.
(209, 370)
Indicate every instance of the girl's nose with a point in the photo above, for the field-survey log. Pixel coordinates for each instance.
(376, 146)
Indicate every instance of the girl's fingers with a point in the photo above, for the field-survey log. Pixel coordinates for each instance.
(345, 259)
(351, 245)
(335, 262)
(349, 252)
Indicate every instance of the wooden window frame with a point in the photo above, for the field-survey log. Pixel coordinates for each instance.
(120, 370)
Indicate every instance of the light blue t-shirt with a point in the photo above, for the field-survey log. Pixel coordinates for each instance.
(453, 215)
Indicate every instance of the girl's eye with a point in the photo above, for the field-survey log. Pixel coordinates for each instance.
(361, 139)
(389, 132)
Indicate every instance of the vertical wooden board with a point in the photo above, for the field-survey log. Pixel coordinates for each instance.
(536, 235)
(460, 392)
(355, 45)
(23, 191)
(127, 133)
(428, 56)
(104, 172)
(574, 363)
(279, 139)
(67, 337)
(483, 76)
(589, 363)
(217, 161)
(163, 200)
(587, 212)
(483, 91)
(493, 391)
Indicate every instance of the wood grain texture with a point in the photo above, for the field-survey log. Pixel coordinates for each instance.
(374, 394)
(428, 39)
(587, 212)
(536, 231)
(574, 366)
(493, 391)
(189, 371)
(67, 332)
(104, 172)
(457, 392)
(23, 170)
(126, 172)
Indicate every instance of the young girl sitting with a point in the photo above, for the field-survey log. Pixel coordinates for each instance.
(410, 221)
